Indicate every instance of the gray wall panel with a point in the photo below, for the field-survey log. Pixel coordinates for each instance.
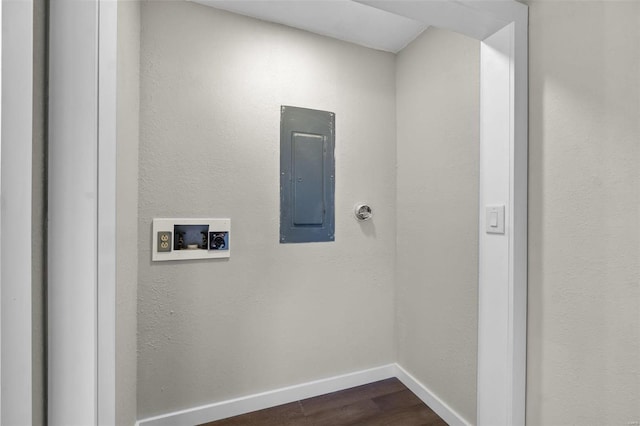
(307, 172)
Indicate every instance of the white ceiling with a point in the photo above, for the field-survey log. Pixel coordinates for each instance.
(342, 19)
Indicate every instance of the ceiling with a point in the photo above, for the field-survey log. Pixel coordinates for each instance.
(342, 19)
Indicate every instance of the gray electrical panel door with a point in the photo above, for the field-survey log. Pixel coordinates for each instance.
(307, 175)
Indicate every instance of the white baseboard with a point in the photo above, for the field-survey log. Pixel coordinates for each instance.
(447, 414)
(260, 401)
(247, 404)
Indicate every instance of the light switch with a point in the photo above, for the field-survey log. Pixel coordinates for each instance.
(495, 219)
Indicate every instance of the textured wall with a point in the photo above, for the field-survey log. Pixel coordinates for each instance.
(437, 255)
(128, 98)
(272, 315)
(584, 230)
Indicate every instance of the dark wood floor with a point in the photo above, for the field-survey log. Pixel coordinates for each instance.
(384, 403)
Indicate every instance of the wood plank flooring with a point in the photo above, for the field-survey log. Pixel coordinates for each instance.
(384, 403)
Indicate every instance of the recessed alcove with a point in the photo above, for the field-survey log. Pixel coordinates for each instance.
(407, 129)
(195, 111)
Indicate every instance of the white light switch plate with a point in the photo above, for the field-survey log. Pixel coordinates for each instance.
(494, 219)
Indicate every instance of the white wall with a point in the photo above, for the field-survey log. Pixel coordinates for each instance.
(128, 107)
(437, 200)
(584, 229)
(272, 315)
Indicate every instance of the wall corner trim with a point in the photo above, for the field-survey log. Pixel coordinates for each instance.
(441, 408)
(273, 398)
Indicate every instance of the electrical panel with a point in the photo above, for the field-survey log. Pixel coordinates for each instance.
(307, 175)
(183, 239)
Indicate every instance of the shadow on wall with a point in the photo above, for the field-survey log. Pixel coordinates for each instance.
(368, 228)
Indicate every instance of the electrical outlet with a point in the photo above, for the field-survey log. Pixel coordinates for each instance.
(164, 241)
